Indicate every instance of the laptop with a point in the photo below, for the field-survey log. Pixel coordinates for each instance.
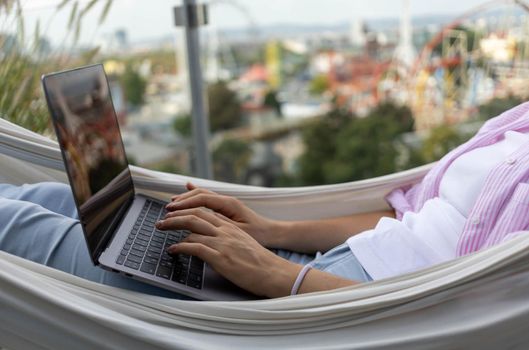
(118, 223)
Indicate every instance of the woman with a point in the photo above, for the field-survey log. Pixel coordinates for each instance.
(475, 197)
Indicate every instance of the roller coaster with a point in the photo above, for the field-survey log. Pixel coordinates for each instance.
(482, 54)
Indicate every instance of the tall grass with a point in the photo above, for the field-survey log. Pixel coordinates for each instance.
(24, 57)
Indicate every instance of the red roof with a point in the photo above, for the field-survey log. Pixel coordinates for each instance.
(257, 72)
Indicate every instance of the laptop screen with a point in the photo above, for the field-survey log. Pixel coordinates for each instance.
(88, 132)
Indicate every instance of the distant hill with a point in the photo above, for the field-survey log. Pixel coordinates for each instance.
(285, 30)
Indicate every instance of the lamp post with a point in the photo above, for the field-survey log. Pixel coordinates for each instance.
(190, 16)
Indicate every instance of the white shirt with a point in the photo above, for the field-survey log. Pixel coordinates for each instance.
(430, 236)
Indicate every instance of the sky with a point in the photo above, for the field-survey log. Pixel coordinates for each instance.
(146, 19)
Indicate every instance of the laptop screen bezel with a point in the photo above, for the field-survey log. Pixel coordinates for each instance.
(97, 250)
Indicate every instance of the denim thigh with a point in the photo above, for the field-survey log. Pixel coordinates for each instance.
(339, 261)
(38, 223)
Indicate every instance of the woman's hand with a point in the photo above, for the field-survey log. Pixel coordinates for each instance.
(263, 230)
(230, 251)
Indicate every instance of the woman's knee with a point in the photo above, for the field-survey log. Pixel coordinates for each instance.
(33, 232)
(55, 189)
(34, 192)
(53, 196)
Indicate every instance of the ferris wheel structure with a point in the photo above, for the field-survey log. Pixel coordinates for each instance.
(482, 54)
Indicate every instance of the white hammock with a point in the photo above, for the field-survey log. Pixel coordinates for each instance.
(477, 300)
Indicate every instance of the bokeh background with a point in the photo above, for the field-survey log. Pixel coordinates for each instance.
(298, 92)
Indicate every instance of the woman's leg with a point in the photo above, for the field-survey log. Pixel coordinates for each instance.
(38, 234)
(53, 196)
(341, 261)
(295, 257)
(57, 241)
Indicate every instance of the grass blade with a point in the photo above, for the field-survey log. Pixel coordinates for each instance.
(105, 11)
(73, 15)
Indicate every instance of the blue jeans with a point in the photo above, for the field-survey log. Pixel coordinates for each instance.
(39, 222)
(339, 261)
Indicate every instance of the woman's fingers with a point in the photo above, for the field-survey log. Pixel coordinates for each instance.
(201, 213)
(189, 194)
(208, 241)
(188, 222)
(189, 187)
(199, 250)
(215, 202)
(225, 219)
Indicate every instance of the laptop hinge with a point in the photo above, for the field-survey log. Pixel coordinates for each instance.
(112, 229)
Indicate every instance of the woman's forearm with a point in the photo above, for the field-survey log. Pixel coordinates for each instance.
(321, 235)
(283, 275)
(318, 281)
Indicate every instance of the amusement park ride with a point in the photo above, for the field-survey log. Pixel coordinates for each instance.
(482, 54)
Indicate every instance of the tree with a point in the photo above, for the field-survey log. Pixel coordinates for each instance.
(320, 145)
(342, 147)
(224, 107)
(496, 106)
(134, 86)
(441, 140)
(224, 111)
(230, 160)
(319, 84)
(365, 147)
(271, 101)
(182, 125)
(400, 116)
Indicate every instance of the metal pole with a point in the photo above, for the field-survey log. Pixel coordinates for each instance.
(192, 16)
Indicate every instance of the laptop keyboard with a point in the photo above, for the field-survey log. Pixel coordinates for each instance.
(145, 250)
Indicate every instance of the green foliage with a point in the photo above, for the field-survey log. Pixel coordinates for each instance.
(224, 111)
(287, 180)
(365, 147)
(24, 59)
(271, 101)
(133, 86)
(19, 102)
(224, 107)
(230, 160)
(441, 140)
(321, 146)
(182, 125)
(168, 167)
(319, 84)
(496, 106)
(342, 147)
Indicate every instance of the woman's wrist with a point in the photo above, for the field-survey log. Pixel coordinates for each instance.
(275, 234)
(287, 235)
(282, 276)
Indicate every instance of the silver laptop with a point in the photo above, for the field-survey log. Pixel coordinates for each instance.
(118, 224)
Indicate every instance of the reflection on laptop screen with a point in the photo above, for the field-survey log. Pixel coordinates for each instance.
(95, 159)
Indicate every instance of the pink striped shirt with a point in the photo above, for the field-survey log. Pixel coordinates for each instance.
(502, 207)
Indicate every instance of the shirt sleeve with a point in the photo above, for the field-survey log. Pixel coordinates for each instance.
(403, 199)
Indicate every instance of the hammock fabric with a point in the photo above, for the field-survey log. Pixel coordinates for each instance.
(479, 300)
